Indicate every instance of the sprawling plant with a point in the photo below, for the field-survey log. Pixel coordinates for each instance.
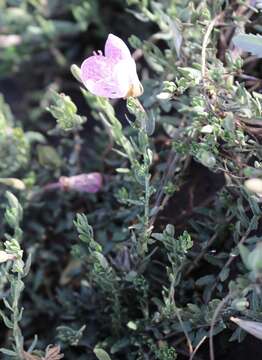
(141, 202)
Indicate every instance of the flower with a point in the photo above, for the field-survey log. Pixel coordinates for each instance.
(4, 256)
(252, 327)
(51, 353)
(254, 185)
(112, 75)
(90, 183)
(10, 40)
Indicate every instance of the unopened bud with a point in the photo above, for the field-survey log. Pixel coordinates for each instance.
(90, 183)
(254, 185)
(4, 256)
(76, 72)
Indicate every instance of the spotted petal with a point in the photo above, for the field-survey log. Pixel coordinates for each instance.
(102, 76)
(112, 75)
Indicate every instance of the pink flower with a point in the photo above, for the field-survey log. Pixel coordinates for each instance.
(4, 256)
(90, 183)
(112, 75)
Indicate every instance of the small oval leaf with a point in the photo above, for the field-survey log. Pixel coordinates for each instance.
(101, 354)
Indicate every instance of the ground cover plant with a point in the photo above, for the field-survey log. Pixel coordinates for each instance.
(130, 179)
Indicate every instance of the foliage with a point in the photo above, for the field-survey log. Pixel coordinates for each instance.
(169, 250)
(64, 111)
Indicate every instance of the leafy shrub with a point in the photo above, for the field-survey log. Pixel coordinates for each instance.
(155, 264)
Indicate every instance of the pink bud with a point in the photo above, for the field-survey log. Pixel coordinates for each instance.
(112, 75)
(4, 256)
(90, 183)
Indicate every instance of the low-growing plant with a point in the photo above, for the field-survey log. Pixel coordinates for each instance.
(137, 233)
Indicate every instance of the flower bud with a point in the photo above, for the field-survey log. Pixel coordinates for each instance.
(4, 256)
(90, 183)
(76, 72)
(254, 185)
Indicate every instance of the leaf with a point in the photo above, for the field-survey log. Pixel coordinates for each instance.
(101, 354)
(205, 280)
(223, 275)
(244, 253)
(48, 156)
(8, 323)
(64, 111)
(249, 42)
(8, 352)
(120, 345)
(13, 182)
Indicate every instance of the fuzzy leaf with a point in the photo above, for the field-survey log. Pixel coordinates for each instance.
(101, 354)
(8, 352)
(244, 253)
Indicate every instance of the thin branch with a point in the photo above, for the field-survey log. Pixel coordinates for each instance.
(197, 347)
(213, 322)
(159, 204)
(190, 347)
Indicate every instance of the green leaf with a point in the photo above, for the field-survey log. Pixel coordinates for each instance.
(120, 345)
(13, 182)
(48, 156)
(8, 352)
(250, 43)
(223, 275)
(205, 280)
(244, 253)
(8, 323)
(64, 110)
(14, 212)
(101, 354)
